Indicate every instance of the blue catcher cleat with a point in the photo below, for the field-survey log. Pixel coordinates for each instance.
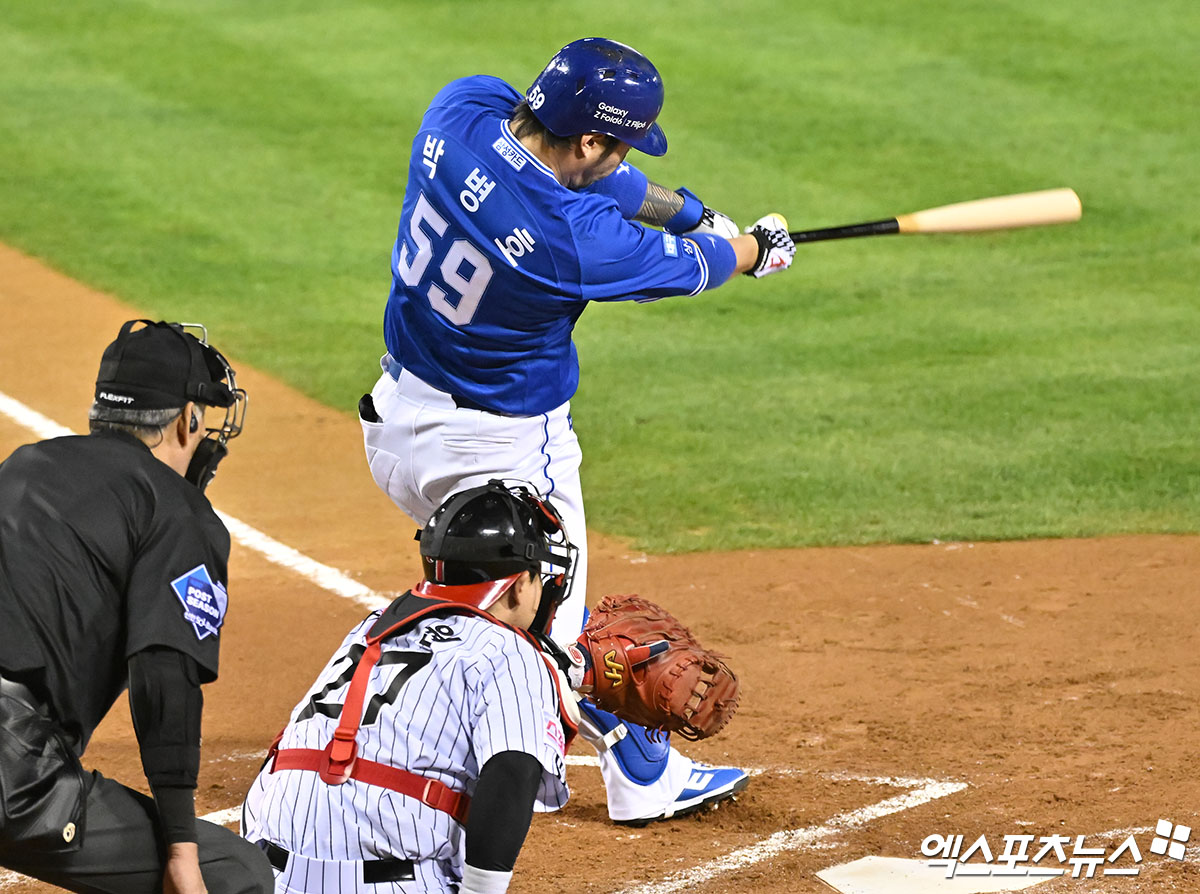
(645, 778)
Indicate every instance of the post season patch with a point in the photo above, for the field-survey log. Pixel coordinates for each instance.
(204, 601)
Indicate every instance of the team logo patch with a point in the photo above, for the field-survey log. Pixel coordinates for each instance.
(615, 669)
(576, 655)
(204, 601)
(670, 245)
(506, 151)
(554, 735)
(439, 633)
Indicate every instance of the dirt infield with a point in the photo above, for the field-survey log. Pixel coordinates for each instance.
(890, 693)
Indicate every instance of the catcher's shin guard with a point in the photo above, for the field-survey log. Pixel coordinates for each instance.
(646, 779)
(641, 759)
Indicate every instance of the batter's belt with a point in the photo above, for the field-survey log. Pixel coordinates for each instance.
(395, 370)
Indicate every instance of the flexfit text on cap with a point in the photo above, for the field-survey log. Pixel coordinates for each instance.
(160, 366)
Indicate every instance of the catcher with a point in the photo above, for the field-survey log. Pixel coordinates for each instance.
(416, 760)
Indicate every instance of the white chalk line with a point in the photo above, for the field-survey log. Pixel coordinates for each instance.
(797, 839)
(341, 584)
(31, 419)
(337, 582)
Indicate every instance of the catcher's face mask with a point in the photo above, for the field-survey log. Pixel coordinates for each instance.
(557, 571)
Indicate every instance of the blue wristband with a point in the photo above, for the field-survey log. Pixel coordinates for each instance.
(687, 216)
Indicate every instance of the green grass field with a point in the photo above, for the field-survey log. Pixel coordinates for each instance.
(243, 163)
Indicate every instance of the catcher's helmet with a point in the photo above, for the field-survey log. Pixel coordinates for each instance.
(480, 540)
(596, 85)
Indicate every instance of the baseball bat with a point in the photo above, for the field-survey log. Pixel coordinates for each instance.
(1027, 209)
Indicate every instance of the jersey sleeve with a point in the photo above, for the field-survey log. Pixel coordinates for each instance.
(176, 594)
(620, 260)
(516, 709)
(626, 186)
(485, 91)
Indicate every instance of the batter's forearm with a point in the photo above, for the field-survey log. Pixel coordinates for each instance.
(746, 249)
(659, 206)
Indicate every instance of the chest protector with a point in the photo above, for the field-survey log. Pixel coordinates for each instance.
(338, 761)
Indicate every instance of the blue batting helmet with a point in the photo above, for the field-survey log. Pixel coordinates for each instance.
(595, 85)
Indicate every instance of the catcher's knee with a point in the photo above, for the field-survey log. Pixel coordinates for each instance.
(641, 755)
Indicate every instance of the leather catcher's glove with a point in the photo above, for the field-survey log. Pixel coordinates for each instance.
(647, 668)
(775, 247)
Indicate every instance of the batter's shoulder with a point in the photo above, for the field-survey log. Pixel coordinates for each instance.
(485, 91)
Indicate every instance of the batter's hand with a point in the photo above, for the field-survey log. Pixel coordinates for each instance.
(775, 247)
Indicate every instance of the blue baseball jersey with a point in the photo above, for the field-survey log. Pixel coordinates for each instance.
(495, 260)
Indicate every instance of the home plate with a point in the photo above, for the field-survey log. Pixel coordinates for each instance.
(895, 875)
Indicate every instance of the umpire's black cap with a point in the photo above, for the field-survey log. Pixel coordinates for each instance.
(161, 366)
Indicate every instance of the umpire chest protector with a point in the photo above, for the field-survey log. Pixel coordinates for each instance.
(338, 761)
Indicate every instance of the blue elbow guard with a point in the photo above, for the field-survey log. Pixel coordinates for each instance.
(687, 216)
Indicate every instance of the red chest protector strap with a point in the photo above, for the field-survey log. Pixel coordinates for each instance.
(338, 761)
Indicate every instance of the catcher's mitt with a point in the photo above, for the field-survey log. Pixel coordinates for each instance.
(647, 668)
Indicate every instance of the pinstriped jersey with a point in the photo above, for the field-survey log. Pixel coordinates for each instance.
(444, 697)
(495, 260)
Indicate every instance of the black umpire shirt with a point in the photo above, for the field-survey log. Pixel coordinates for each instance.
(104, 551)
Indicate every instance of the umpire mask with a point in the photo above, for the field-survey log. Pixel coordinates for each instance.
(214, 447)
(208, 455)
(162, 365)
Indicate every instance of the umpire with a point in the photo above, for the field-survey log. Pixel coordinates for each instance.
(112, 575)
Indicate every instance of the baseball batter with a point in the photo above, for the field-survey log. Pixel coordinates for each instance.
(520, 210)
(416, 760)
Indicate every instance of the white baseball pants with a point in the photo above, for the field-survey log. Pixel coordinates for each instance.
(425, 448)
